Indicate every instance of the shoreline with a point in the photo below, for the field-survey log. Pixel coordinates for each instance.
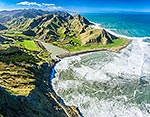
(58, 98)
(117, 50)
(70, 54)
(55, 95)
(70, 110)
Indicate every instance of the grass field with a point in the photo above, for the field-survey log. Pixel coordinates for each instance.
(29, 44)
(117, 43)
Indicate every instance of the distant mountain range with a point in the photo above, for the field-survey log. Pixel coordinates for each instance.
(54, 26)
(6, 16)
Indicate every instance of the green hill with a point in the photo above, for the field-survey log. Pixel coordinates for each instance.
(60, 28)
(55, 27)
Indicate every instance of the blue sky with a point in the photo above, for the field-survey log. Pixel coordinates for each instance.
(80, 6)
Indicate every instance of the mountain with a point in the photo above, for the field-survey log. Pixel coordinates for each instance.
(82, 20)
(55, 26)
(6, 16)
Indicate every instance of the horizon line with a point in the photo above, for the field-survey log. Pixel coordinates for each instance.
(103, 11)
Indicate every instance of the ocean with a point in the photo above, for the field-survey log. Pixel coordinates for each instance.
(133, 25)
(108, 84)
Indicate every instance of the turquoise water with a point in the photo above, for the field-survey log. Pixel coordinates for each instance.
(133, 25)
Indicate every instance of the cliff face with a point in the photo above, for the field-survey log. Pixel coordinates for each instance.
(37, 103)
(24, 89)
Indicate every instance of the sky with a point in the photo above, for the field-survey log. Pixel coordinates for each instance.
(79, 6)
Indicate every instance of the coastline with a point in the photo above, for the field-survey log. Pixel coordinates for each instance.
(117, 49)
(70, 110)
(33, 72)
(57, 98)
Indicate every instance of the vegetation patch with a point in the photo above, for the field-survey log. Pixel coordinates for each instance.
(29, 44)
(14, 54)
(117, 43)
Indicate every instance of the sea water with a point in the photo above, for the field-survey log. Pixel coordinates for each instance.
(129, 24)
(107, 84)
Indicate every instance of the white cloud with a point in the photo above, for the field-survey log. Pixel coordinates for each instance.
(28, 3)
(42, 5)
(45, 4)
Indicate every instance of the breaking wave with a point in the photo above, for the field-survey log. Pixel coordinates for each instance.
(107, 84)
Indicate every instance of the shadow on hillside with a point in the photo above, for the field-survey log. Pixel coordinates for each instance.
(15, 54)
(39, 102)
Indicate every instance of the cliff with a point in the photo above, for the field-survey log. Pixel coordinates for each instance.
(24, 88)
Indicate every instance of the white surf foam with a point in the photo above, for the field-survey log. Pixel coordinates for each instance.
(132, 63)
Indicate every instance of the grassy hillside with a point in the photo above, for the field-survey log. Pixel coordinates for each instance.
(22, 88)
(61, 27)
(28, 44)
(24, 83)
(115, 46)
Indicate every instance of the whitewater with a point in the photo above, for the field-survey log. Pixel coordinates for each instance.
(107, 84)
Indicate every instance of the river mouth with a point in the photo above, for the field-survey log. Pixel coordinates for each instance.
(107, 84)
